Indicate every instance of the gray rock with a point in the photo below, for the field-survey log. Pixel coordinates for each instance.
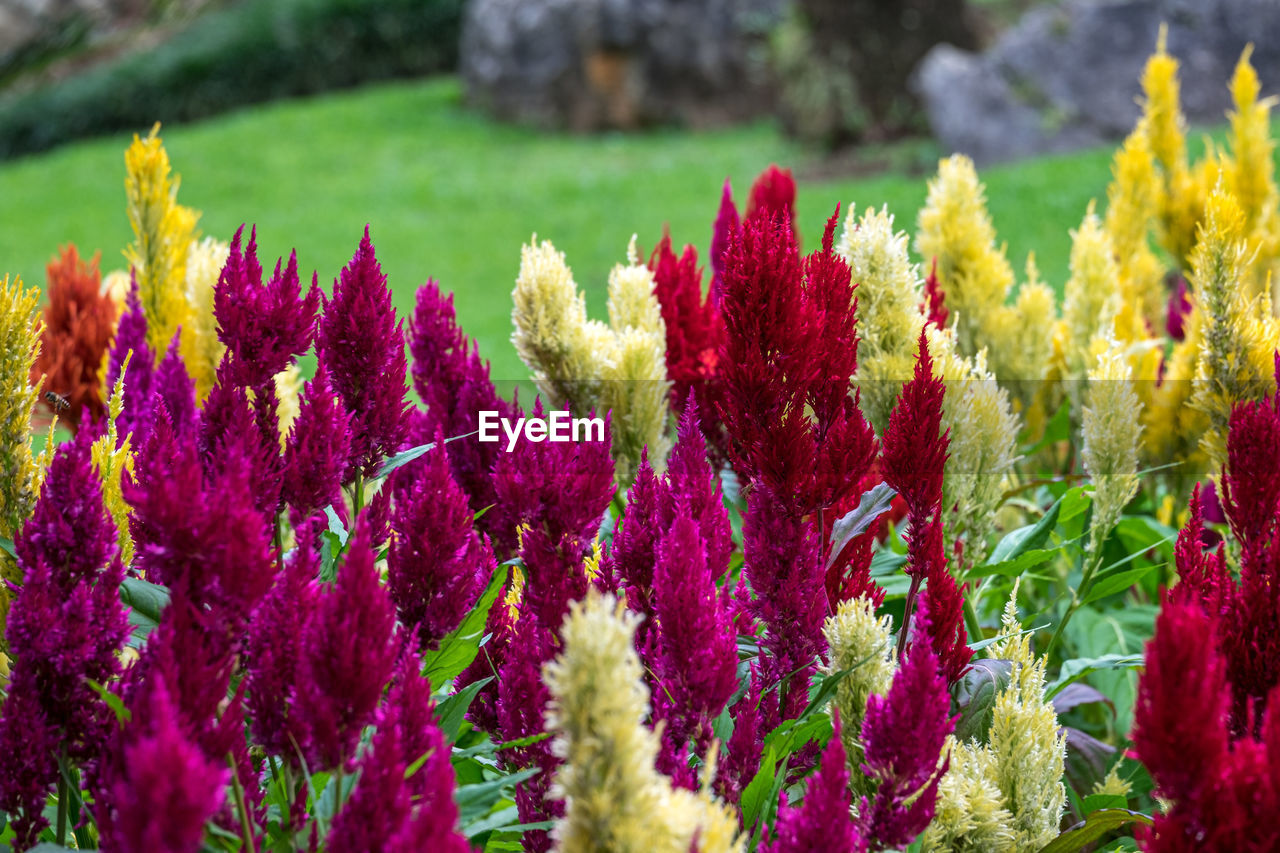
(588, 64)
(1067, 76)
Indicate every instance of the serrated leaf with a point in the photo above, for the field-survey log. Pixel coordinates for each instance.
(975, 696)
(1094, 826)
(459, 648)
(453, 710)
(873, 504)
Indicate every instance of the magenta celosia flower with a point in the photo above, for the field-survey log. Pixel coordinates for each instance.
(388, 811)
(263, 327)
(562, 487)
(317, 449)
(782, 565)
(1179, 307)
(628, 567)
(166, 789)
(1251, 476)
(822, 822)
(437, 565)
(66, 626)
(363, 345)
(348, 655)
(70, 530)
(934, 307)
(235, 431)
(697, 665)
(904, 732)
(175, 390)
(742, 753)
(200, 533)
(693, 482)
(131, 336)
(273, 652)
(725, 225)
(454, 385)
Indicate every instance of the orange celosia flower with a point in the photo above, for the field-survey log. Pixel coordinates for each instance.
(79, 323)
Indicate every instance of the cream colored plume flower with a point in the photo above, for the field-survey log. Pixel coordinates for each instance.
(614, 798)
(1091, 296)
(288, 404)
(863, 645)
(1112, 433)
(202, 350)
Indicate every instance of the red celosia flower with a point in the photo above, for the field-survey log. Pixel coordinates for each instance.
(773, 196)
(79, 322)
(914, 449)
(437, 565)
(822, 821)
(1251, 476)
(904, 732)
(725, 225)
(692, 321)
(264, 327)
(363, 345)
(935, 308)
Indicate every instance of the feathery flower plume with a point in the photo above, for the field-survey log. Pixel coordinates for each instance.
(138, 372)
(1006, 794)
(1110, 452)
(914, 450)
(1091, 296)
(363, 345)
(437, 565)
(174, 389)
(1250, 172)
(317, 450)
(746, 744)
(862, 645)
(203, 351)
(822, 821)
(112, 459)
(725, 225)
(340, 681)
(773, 196)
(166, 789)
(454, 386)
(614, 797)
(163, 232)
(1241, 335)
(1133, 205)
(1251, 477)
(904, 733)
(264, 327)
(20, 330)
(67, 626)
(78, 324)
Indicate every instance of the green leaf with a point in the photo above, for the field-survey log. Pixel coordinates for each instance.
(145, 597)
(1015, 567)
(1110, 584)
(1077, 668)
(753, 796)
(1094, 826)
(523, 741)
(1026, 539)
(458, 649)
(496, 822)
(451, 711)
(404, 457)
(114, 702)
(975, 696)
(871, 506)
(1057, 429)
(478, 799)
(6, 545)
(1098, 802)
(335, 525)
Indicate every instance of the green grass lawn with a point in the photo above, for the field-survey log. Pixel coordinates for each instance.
(452, 196)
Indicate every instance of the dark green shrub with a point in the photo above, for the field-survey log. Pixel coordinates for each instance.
(254, 51)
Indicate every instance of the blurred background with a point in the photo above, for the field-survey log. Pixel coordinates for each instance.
(458, 128)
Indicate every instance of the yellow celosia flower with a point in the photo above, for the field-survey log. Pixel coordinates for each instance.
(20, 331)
(1112, 784)
(1240, 334)
(614, 797)
(587, 365)
(203, 350)
(1133, 200)
(112, 463)
(1091, 296)
(1111, 438)
(889, 297)
(1162, 110)
(862, 644)
(1250, 172)
(1172, 428)
(288, 405)
(1006, 795)
(163, 231)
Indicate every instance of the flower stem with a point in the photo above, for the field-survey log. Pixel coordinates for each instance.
(906, 615)
(64, 800)
(241, 808)
(1077, 598)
